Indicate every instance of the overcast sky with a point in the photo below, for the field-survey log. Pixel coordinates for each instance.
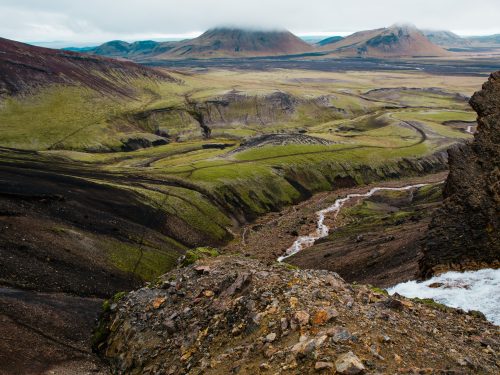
(92, 21)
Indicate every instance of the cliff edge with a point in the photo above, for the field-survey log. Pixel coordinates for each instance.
(465, 231)
(229, 315)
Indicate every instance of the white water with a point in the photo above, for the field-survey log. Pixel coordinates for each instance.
(474, 290)
(322, 230)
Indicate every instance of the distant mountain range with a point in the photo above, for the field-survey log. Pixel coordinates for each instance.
(486, 40)
(330, 40)
(214, 43)
(394, 41)
(446, 39)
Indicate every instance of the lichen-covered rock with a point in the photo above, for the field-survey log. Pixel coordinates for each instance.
(260, 318)
(465, 232)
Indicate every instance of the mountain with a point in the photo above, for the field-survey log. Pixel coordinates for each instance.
(465, 232)
(489, 40)
(24, 67)
(330, 40)
(232, 42)
(131, 51)
(394, 41)
(446, 39)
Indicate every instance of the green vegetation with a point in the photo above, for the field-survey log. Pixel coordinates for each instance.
(102, 329)
(385, 209)
(141, 260)
(378, 290)
(201, 193)
(193, 255)
(288, 266)
(431, 303)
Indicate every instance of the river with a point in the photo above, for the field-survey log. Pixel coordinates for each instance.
(322, 230)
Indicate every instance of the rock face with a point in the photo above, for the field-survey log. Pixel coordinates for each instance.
(465, 231)
(227, 315)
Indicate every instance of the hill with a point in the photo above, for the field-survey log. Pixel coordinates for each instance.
(394, 41)
(24, 68)
(330, 40)
(446, 39)
(132, 51)
(232, 42)
(486, 40)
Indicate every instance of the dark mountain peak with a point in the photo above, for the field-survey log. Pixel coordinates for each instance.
(240, 42)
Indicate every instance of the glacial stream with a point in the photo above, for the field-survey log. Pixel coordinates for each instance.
(322, 230)
(473, 290)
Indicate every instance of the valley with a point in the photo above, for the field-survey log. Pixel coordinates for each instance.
(113, 174)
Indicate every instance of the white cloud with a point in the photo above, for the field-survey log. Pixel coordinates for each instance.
(100, 20)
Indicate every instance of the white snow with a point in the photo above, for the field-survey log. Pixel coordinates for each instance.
(473, 290)
(322, 230)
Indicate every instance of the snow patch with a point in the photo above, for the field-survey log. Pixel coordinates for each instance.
(472, 290)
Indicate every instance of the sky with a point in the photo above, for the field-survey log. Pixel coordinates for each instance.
(95, 21)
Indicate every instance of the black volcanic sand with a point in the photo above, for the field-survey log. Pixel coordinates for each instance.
(467, 67)
(54, 271)
(41, 332)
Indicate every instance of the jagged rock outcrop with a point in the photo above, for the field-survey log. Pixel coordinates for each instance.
(227, 315)
(465, 231)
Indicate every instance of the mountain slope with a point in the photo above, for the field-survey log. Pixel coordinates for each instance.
(465, 232)
(24, 67)
(230, 42)
(395, 41)
(487, 40)
(132, 51)
(330, 40)
(446, 39)
(54, 99)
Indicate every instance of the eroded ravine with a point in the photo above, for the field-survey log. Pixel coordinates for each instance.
(322, 230)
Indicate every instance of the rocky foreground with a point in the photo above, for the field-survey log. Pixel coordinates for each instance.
(226, 315)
